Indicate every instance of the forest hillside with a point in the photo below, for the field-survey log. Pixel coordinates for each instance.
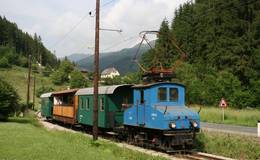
(221, 42)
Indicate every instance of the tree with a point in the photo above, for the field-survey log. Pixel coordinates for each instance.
(222, 40)
(62, 74)
(112, 81)
(8, 100)
(132, 78)
(164, 50)
(78, 80)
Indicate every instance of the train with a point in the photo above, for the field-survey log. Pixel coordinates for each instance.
(153, 115)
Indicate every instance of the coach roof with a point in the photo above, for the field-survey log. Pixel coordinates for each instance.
(101, 89)
(46, 95)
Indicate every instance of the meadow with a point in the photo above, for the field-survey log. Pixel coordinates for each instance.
(228, 145)
(244, 117)
(26, 139)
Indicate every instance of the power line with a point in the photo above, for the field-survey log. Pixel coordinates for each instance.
(76, 25)
(117, 44)
(71, 30)
(105, 4)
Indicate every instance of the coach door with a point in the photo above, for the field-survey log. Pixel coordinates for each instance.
(102, 111)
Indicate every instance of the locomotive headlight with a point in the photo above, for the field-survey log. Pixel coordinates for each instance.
(172, 125)
(194, 124)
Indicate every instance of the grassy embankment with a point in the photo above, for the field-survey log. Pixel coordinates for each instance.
(25, 139)
(244, 117)
(17, 77)
(229, 145)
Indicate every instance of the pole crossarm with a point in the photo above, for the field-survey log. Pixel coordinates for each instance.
(112, 30)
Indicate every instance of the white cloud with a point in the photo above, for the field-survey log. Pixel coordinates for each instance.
(53, 19)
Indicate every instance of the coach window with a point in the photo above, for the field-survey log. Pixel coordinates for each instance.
(87, 104)
(81, 103)
(173, 94)
(102, 104)
(162, 94)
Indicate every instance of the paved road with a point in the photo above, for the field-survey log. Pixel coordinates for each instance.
(242, 130)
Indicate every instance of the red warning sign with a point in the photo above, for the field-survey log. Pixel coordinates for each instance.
(223, 103)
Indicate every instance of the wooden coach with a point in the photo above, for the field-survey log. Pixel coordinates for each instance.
(65, 106)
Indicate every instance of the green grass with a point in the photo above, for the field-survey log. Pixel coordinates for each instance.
(17, 77)
(229, 145)
(244, 117)
(25, 139)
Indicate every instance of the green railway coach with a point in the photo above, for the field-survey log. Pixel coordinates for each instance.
(112, 101)
(46, 105)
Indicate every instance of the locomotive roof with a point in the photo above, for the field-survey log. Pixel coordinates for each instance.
(46, 95)
(101, 89)
(154, 84)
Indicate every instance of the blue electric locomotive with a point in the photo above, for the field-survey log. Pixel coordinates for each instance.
(159, 117)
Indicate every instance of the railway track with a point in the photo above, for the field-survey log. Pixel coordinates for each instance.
(187, 155)
(204, 156)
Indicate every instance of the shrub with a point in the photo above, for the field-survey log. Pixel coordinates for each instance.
(35, 68)
(47, 71)
(243, 99)
(4, 63)
(23, 106)
(8, 100)
(255, 92)
(43, 89)
(22, 61)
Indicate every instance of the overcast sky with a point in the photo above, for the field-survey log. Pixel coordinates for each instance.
(65, 26)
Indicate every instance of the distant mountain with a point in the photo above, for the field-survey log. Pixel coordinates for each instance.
(77, 56)
(122, 60)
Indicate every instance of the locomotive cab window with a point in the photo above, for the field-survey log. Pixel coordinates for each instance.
(174, 94)
(87, 104)
(102, 104)
(162, 94)
(142, 96)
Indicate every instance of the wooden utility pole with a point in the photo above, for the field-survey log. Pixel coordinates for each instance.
(34, 79)
(96, 74)
(28, 84)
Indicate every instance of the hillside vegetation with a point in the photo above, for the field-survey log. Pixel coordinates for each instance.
(16, 45)
(17, 77)
(222, 46)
